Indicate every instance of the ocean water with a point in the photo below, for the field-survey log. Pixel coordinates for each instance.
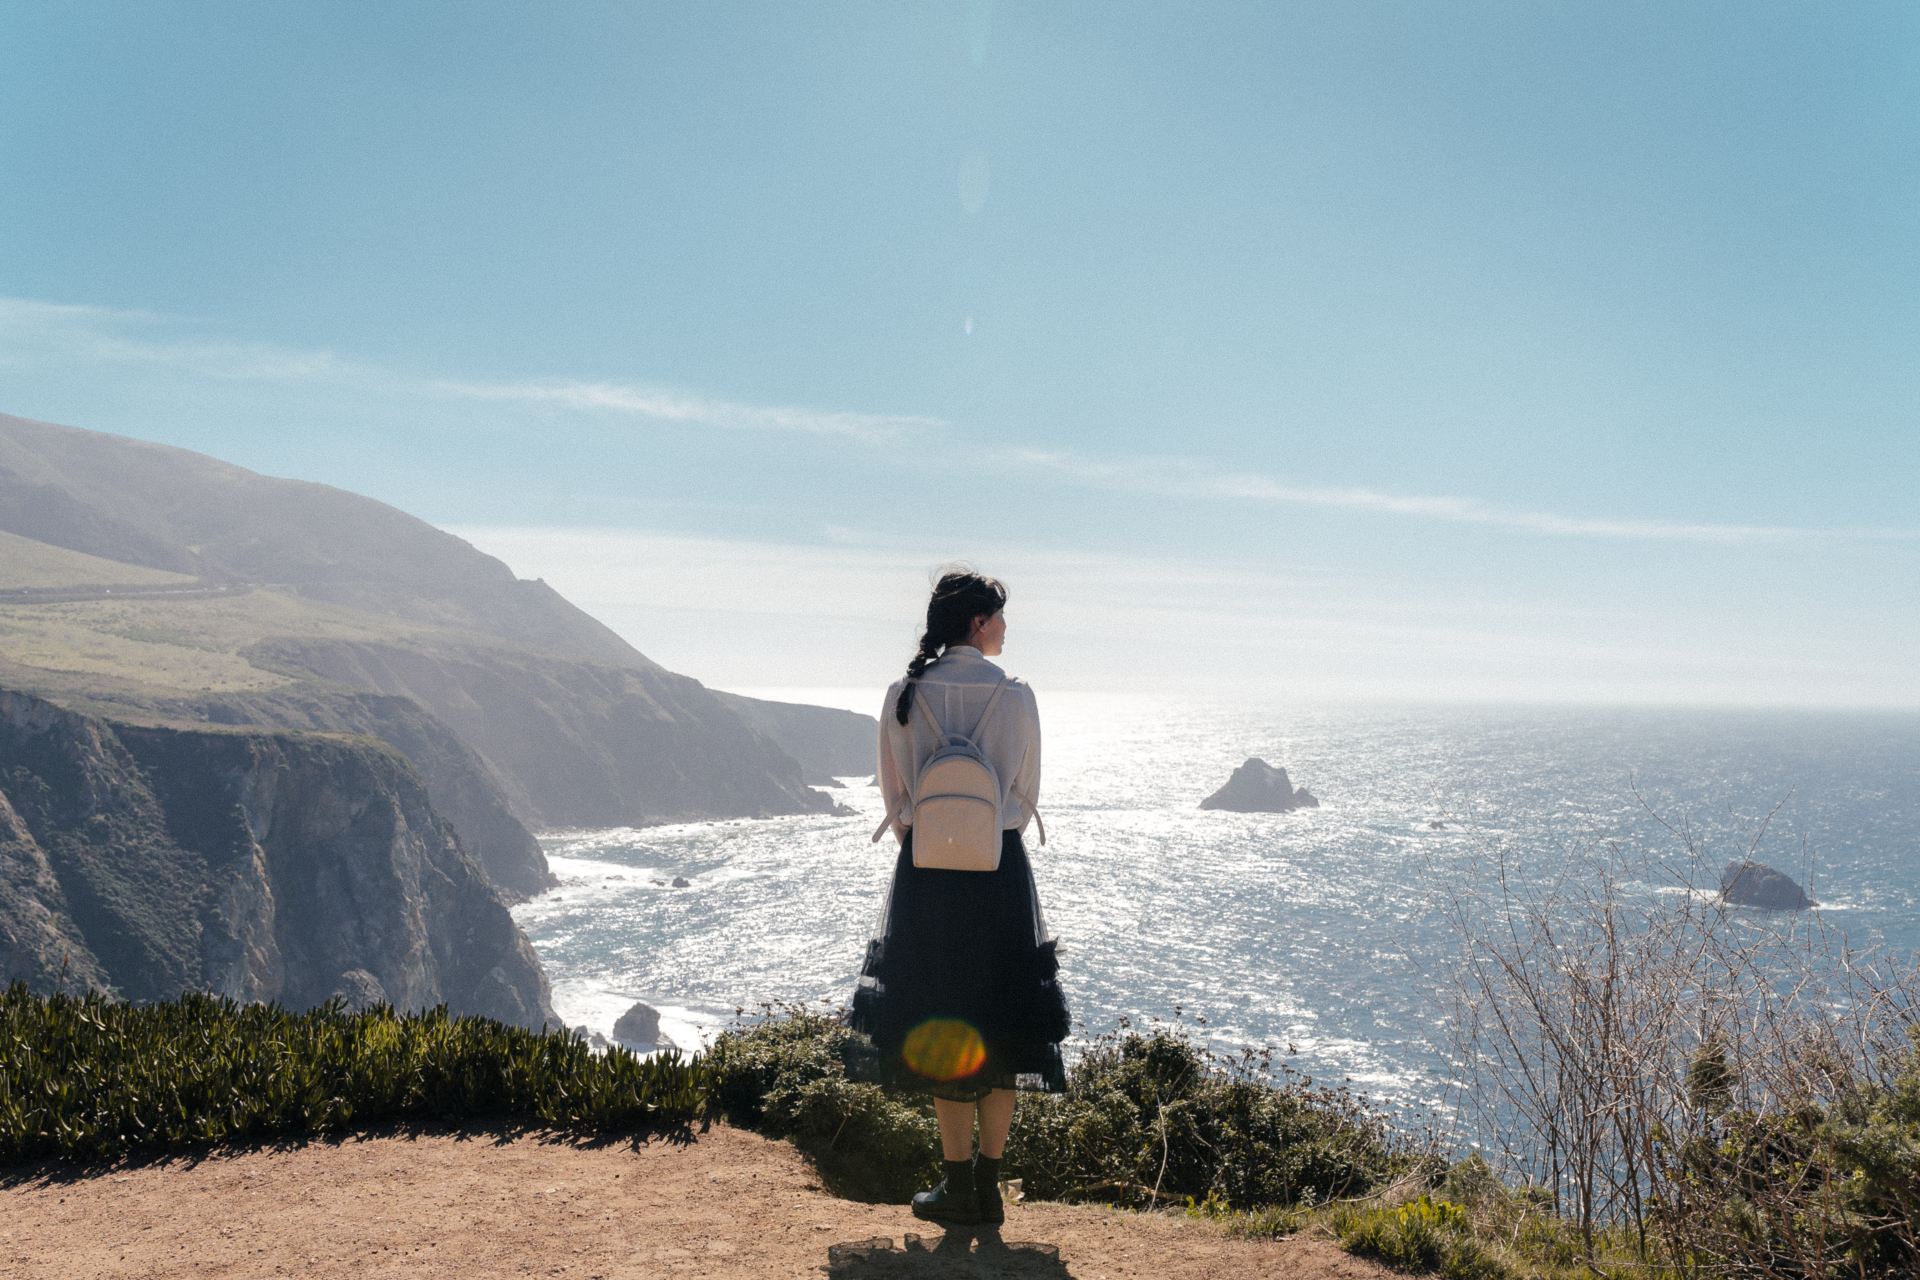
(1323, 933)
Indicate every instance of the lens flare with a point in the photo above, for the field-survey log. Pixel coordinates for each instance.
(944, 1049)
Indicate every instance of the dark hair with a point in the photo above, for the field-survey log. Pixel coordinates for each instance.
(958, 598)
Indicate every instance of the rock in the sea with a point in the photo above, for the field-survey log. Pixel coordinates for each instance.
(1754, 884)
(1258, 787)
(1434, 824)
(639, 1028)
(681, 882)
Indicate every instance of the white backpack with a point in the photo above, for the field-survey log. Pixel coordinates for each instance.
(956, 800)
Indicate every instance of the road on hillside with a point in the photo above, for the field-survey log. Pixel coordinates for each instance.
(66, 595)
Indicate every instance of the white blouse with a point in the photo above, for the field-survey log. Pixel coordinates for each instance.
(956, 686)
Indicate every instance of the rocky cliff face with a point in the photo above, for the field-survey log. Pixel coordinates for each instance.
(576, 744)
(460, 785)
(264, 866)
(38, 938)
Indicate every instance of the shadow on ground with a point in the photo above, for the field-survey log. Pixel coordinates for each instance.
(957, 1253)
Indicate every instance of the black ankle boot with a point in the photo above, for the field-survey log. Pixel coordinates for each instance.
(986, 1188)
(953, 1200)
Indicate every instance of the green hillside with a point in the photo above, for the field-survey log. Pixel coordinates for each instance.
(157, 585)
(31, 565)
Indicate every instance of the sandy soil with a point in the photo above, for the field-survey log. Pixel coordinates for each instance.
(482, 1204)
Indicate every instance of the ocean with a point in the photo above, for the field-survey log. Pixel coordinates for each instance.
(1323, 933)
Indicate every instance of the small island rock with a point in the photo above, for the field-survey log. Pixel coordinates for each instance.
(1258, 787)
(1754, 884)
(639, 1027)
(681, 882)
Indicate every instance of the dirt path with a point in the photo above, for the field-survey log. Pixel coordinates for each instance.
(474, 1205)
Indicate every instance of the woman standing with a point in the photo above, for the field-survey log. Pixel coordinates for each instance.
(958, 991)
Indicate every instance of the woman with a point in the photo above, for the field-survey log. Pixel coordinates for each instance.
(958, 991)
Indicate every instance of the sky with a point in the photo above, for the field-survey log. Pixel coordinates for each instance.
(1520, 351)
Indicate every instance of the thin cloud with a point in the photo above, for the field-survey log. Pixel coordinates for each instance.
(669, 406)
(119, 335)
(1187, 478)
(115, 335)
(125, 336)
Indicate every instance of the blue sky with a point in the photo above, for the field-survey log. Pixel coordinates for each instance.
(1494, 351)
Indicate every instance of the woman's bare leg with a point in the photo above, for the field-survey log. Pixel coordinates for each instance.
(996, 1117)
(956, 1128)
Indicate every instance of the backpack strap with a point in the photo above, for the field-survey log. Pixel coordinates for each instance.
(987, 710)
(939, 734)
(1033, 809)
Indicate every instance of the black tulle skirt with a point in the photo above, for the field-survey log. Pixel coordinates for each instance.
(959, 994)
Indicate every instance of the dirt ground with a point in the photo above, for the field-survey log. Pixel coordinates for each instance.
(480, 1204)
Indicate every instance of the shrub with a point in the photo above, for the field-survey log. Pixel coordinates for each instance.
(90, 1078)
(784, 1075)
(1824, 1187)
(1147, 1118)
(1155, 1117)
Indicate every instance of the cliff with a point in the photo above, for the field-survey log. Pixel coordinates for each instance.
(461, 786)
(575, 744)
(828, 742)
(265, 866)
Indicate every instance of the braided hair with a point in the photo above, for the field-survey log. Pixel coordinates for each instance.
(958, 598)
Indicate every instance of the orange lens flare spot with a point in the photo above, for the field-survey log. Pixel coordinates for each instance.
(944, 1049)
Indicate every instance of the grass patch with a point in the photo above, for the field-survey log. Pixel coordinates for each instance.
(25, 562)
(1421, 1235)
(158, 644)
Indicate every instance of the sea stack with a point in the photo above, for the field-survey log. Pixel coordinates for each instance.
(639, 1028)
(1258, 787)
(1754, 884)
